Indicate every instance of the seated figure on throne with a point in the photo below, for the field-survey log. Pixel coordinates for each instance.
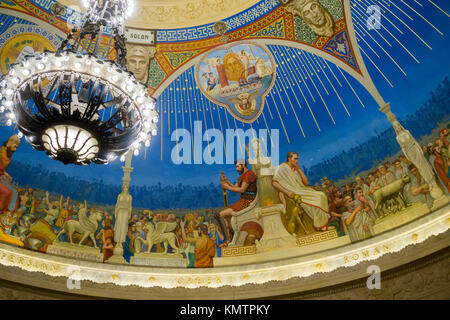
(291, 182)
(246, 186)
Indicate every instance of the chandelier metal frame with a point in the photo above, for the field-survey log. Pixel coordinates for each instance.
(80, 94)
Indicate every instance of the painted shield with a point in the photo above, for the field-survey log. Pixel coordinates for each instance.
(237, 76)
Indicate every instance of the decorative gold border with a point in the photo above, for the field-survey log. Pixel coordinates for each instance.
(316, 238)
(238, 251)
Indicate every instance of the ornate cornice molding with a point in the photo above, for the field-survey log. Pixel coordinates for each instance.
(424, 278)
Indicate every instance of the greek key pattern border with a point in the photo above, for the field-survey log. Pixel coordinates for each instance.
(316, 238)
(238, 251)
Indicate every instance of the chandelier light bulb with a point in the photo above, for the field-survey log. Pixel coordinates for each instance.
(155, 120)
(139, 100)
(147, 125)
(70, 144)
(20, 135)
(2, 109)
(9, 122)
(12, 71)
(136, 152)
(77, 65)
(40, 66)
(15, 80)
(115, 78)
(8, 103)
(147, 143)
(9, 92)
(122, 158)
(58, 63)
(88, 61)
(26, 72)
(96, 70)
(154, 132)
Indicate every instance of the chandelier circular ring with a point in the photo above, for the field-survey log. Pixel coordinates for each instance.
(76, 87)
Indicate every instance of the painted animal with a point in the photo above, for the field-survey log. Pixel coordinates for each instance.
(390, 198)
(86, 226)
(161, 232)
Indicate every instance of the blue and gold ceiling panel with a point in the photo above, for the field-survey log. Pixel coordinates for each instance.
(7, 21)
(40, 12)
(280, 23)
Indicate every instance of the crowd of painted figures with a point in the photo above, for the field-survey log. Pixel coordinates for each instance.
(198, 236)
(36, 222)
(352, 207)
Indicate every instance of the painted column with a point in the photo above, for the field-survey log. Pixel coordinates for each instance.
(122, 212)
(414, 153)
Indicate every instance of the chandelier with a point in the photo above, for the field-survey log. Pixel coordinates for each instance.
(76, 104)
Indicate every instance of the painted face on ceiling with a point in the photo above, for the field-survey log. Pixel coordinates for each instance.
(313, 14)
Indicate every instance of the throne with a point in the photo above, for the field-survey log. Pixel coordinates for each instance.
(240, 219)
(265, 210)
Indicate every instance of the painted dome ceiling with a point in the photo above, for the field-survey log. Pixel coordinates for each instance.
(358, 88)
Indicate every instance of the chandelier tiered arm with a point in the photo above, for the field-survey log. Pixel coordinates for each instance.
(75, 103)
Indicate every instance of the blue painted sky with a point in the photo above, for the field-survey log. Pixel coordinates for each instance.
(408, 94)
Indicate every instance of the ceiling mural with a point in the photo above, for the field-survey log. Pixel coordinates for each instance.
(237, 76)
(265, 20)
(279, 24)
(291, 94)
(282, 28)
